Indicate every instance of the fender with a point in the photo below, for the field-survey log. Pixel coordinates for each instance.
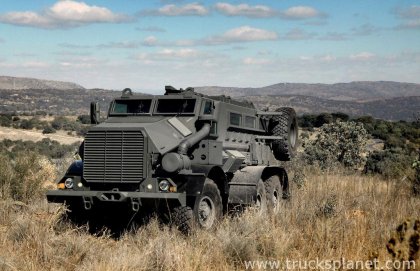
(75, 169)
(243, 186)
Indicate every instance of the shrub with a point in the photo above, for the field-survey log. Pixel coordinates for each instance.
(5, 121)
(85, 119)
(338, 143)
(391, 163)
(48, 130)
(23, 178)
(26, 124)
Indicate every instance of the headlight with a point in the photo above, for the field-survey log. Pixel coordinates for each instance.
(68, 183)
(164, 185)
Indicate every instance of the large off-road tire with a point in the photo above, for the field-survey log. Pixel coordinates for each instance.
(274, 194)
(286, 127)
(183, 219)
(260, 200)
(208, 206)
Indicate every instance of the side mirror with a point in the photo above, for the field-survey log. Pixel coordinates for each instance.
(94, 113)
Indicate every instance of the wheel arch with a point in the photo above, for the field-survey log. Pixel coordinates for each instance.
(245, 180)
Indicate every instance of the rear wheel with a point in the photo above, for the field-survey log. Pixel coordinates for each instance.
(284, 126)
(208, 207)
(274, 193)
(261, 198)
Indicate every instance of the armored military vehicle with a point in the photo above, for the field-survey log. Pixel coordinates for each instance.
(193, 156)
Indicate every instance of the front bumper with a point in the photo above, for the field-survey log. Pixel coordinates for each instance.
(89, 198)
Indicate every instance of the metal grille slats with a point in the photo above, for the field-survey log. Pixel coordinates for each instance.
(113, 156)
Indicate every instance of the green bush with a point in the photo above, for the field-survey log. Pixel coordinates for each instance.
(85, 119)
(48, 130)
(391, 163)
(337, 143)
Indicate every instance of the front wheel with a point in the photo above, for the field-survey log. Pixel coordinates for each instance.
(208, 207)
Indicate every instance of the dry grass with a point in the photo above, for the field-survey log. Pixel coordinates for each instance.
(332, 216)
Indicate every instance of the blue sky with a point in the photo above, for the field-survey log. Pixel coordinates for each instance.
(148, 44)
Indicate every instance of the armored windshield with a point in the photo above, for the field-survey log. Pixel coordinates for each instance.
(131, 107)
(175, 106)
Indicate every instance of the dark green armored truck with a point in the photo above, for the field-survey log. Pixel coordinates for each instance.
(193, 156)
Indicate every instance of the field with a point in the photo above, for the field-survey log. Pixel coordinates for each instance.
(36, 135)
(332, 216)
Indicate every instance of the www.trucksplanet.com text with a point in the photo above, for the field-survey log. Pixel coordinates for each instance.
(322, 264)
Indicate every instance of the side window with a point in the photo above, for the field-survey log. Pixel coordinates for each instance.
(235, 119)
(250, 122)
(208, 108)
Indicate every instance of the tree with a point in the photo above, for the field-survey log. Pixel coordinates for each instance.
(323, 118)
(338, 143)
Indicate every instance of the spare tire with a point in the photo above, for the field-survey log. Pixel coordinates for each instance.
(285, 126)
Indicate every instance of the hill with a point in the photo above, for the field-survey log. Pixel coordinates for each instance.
(53, 101)
(382, 99)
(353, 91)
(386, 100)
(19, 83)
(399, 108)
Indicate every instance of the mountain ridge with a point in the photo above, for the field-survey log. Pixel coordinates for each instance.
(21, 83)
(352, 91)
(380, 99)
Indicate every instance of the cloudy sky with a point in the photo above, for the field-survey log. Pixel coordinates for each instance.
(148, 44)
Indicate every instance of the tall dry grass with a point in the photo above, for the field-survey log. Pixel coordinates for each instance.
(330, 217)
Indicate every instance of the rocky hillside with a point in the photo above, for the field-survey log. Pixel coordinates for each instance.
(385, 100)
(382, 99)
(19, 83)
(353, 91)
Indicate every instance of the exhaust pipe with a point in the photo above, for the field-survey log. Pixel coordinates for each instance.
(173, 162)
(190, 141)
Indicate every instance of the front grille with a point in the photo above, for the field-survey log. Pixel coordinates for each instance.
(113, 156)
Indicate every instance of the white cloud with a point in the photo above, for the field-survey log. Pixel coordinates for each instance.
(63, 14)
(119, 45)
(151, 29)
(298, 34)
(301, 12)
(409, 12)
(328, 58)
(245, 10)
(255, 61)
(365, 30)
(362, 56)
(412, 24)
(410, 15)
(241, 34)
(192, 9)
(180, 53)
(35, 64)
(150, 41)
(168, 55)
(333, 36)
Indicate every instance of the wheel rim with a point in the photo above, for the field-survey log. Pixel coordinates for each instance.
(206, 212)
(258, 202)
(275, 200)
(293, 135)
